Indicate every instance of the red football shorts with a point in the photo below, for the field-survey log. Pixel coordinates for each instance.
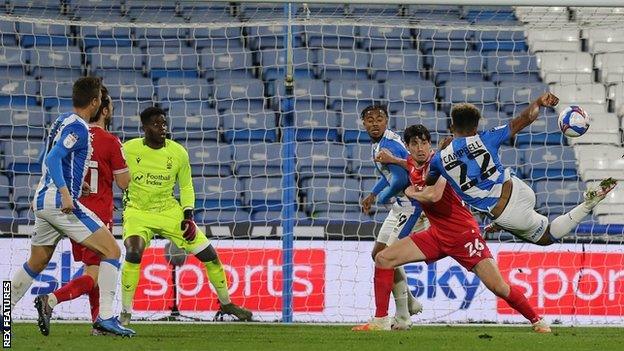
(85, 255)
(467, 248)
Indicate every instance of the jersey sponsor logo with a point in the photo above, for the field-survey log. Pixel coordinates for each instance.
(151, 178)
(566, 283)
(70, 140)
(139, 177)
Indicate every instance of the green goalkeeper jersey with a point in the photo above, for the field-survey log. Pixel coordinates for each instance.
(154, 173)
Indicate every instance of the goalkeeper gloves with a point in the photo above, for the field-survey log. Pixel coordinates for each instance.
(188, 226)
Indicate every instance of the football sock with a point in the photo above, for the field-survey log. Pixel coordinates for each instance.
(400, 292)
(72, 290)
(216, 274)
(22, 279)
(94, 302)
(564, 224)
(130, 273)
(107, 281)
(383, 286)
(518, 302)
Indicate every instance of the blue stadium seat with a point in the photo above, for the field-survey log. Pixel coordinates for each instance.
(331, 36)
(411, 91)
(116, 58)
(213, 193)
(343, 65)
(498, 40)
(102, 36)
(192, 120)
(184, 89)
(321, 158)
(22, 156)
(558, 196)
(13, 58)
(209, 158)
(492, 119)
(263, 193)
(504, 66)
(246, 126)
(4, 192)
(331, 195)
(444, 39)
(386, 38)
(7, 33)
(513, 158)
(352, 128)
(477, 92)
(22, 122)
(276, 216)
(57, 93)
(457, 66)
(244, 94)
(305, 90)
(316, 125)
(24, 186)
(401, 108)
(158, 15)
(254, 159)
(227, 63)
(385, 10)
(273, 63)
(221, 217)
(551, 162)
(128, 85)
(434, 121)
(340, 92)
(361, 159)
(40, 34)
(261, 11)
(396, 64)
(513, 97)
(126, 118)
(172, 62)
(229, 38)
(271, 37)
(22, 91)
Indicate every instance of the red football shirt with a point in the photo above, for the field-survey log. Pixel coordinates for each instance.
(449, 214)
(107, 159)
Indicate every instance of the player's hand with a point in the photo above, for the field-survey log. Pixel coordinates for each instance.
(368, 202)
(86, 189)
(67, 204)
(384, 156)
(188, 226)
(411, 191)
(445, 142)
(548, 100)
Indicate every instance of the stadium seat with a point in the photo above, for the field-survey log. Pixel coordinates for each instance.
(42, 34)
(218, 193)
(115, 58)
(318, 158)
(566, 67)
(592, 97)
(616, 95)
(492, 119)
(497, 41)
(513, 158)
(310, 91)
(128, 85)
(255, 159)
(24, 187)
(331, 195)
(172, 62)
(434, 121)
(192, 120)
(183, 89)
(410, 91)
(221, 217)
(550, 162)
(343, 64)
(242, 94)
(514, 66)
(229, 38)
(263, 193)
(22, 122)
(227, 63)
(271, 37)
(444, 39)
(22, 156)
(597, 162)
(341, 91)
(105, 35)
(613, 204)
(361, 160)
(601, 40)
(13, 58)
(5, 188)
(457, 66)
(14, 91)
(248, 126)
(126, 121)
(558, 196)
(7, 33)
(513, 98)
(553, 39)
(316, 125)
(352, 128)
(273, 63)
(57, 93)
(209, 158)
(392, 64)
(331, 36)
(604, 130)
(610, 68)
(386, 38)
(173, 34)
(483, 94)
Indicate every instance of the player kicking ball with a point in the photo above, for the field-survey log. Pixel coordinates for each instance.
(156, 165)
(453, 232)
(470, 163)
(107, 164)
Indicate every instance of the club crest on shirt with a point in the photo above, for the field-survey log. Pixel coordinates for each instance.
(169, 162)
(138, 159)
(70, 140)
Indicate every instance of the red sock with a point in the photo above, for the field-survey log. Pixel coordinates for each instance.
(74, 288)
(94, 302)
(518, 302)
(384, 279)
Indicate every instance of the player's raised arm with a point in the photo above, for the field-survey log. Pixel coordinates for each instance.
(385, 156)
(530, 114)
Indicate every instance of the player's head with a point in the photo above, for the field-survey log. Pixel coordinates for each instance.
(87, 96)
(154, 125)
(375, 120)
(465, 118)
(105, 112)
(418, 141)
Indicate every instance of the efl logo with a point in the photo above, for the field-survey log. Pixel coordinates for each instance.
(566, 283)
(254, 276)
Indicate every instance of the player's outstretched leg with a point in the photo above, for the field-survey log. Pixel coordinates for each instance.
(490, 275)
(22, 279)
(406, 304)
(130, 274)
(216, 275)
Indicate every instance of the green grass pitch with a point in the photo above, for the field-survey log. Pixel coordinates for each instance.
(235, 336)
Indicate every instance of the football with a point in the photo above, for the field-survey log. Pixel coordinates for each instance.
(573, 121)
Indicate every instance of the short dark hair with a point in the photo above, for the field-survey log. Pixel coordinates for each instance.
(105, 100)
(370, 108)
(84, 90)
(416, 131)
(149, 112)
(465, 117)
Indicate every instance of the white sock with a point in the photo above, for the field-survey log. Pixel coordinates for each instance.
(22, 280)
(107, 281)
(563, 225)
(400, 292)
(52, 300)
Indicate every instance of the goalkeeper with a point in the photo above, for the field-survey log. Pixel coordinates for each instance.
(156, 164)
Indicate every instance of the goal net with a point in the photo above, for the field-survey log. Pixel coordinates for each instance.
(279, 173)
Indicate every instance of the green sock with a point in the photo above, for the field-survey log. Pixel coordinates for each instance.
(216, 274)
(130, 273)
